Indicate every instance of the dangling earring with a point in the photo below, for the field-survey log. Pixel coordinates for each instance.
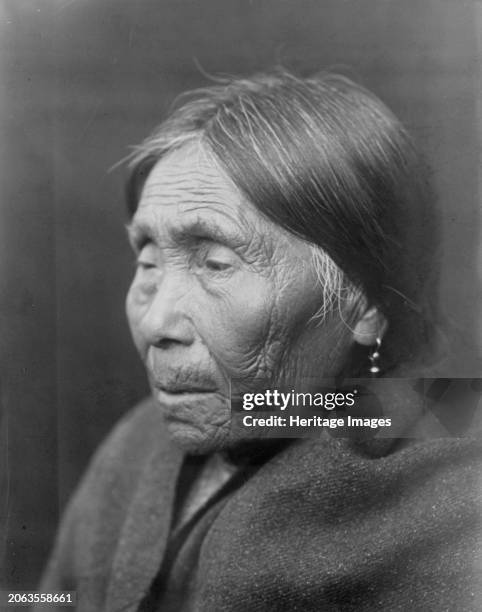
(374, 357)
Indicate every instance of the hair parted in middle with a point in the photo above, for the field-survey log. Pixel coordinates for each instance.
(328, 161)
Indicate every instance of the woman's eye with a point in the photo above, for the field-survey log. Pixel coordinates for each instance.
(217, 258)
(144, 265)
(146, 260)
(217, 266)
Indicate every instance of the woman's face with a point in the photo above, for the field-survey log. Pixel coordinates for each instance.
(222, 300)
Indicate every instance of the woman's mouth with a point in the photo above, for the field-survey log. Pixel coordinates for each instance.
(184, 389)
(184, 395)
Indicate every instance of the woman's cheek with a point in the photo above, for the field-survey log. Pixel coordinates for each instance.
(134, 309)
(239, 324)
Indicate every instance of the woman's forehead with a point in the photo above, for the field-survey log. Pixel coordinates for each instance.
(188, 191)
(189, 179)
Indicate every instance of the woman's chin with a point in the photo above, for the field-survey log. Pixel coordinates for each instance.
(197, 440)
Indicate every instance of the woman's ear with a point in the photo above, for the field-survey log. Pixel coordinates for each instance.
(370, 326)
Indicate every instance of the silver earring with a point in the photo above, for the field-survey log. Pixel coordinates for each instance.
(374, 358)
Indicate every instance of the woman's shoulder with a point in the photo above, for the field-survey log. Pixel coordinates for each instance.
(112, 475)
(93, 519)
(121, 457)
(132, 435)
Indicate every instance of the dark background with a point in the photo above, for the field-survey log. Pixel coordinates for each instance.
(83, 79)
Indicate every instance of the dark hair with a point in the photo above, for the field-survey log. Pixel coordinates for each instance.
(328, 161)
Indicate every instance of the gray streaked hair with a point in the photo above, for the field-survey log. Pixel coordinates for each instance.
(328, 161)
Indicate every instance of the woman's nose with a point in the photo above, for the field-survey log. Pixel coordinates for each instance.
(165, 321)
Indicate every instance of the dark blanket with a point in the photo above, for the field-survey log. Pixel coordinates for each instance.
(323, 525)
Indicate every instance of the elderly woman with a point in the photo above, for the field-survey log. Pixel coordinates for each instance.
(284, 232)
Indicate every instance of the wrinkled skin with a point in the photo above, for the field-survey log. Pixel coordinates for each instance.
(222, 297)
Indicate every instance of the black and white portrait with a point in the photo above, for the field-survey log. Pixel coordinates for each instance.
(240, 305)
